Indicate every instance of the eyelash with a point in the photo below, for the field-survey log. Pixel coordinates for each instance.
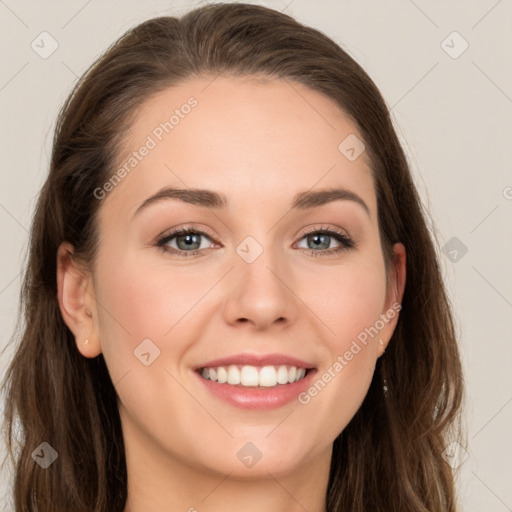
(344, 239)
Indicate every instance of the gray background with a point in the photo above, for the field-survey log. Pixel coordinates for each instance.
(452, 113)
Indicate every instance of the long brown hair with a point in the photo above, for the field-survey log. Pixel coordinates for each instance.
(390, 456)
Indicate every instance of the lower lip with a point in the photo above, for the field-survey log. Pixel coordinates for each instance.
(258, 398)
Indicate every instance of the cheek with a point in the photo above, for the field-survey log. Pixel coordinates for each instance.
(141, 301)
(349, 353)
(356, 296)
(146, 300)
(351, 303)
(338, 390)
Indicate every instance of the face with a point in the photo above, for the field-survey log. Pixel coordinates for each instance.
(273, 285)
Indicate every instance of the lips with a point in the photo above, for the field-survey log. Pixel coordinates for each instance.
(253, 381)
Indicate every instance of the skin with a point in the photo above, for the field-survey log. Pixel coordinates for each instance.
(259, 143)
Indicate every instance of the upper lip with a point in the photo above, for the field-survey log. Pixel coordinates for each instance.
(256, 360)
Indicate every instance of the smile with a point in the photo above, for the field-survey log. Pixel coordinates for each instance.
(254, 376)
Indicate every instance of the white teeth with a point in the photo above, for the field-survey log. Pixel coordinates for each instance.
(233, 375)
(222, 374)
(266, 376)
(249, 376)
(282, 375)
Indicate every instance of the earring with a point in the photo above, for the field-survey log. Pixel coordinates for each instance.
(385, 386)
(86, 341)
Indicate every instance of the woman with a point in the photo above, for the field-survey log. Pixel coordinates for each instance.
(232, 298)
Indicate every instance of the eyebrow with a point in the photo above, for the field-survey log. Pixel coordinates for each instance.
(210, 199)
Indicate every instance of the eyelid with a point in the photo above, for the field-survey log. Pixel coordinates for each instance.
(186, 228)
(316, 229)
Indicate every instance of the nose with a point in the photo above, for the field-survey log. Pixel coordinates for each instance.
(261, 294)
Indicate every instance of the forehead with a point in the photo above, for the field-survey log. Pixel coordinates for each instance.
(251, 138)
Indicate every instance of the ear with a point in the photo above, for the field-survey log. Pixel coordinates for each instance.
(77, 301)
(394, 295)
